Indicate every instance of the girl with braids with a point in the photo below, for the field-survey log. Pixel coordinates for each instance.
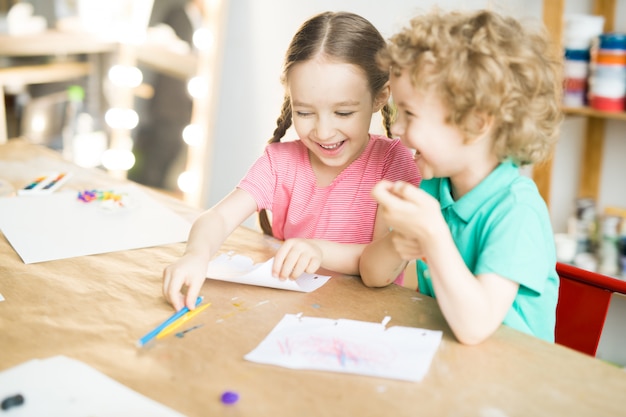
(318, 187)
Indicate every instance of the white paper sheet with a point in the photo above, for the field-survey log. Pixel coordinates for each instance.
(64, 387)
(241, 269)
(59, 226)
(349, 346)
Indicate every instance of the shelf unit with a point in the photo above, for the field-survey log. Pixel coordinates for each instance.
(58, 46)
(591, 164)
(584, 296)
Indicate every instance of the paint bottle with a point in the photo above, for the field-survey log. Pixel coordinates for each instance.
(583, 225)
(580, 30)
(608, 250)
(576, 74)
(607, 84)
(621, 248)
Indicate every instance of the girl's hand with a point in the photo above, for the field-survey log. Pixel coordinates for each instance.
(295, 257)
(189, 271)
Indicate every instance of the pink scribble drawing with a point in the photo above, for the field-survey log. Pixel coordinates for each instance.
(335, 350)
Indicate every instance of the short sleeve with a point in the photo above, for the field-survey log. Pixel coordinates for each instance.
(260, 181)
(400, 166)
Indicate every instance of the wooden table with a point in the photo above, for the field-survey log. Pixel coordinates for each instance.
(94, 308)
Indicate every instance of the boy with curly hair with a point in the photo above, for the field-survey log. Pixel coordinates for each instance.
(478, 95)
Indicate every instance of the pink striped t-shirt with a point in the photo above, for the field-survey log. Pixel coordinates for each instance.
(283, 182)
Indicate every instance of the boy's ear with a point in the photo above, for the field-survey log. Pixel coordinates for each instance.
(382, 97)
(481, 124)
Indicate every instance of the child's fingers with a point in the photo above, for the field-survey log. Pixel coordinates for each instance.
(284, 261)
(279, 259)
(298, 268)
(192, 293)
(382, 193)
(287, 267)
(302, 265)
(314, 265)
(171, 291)
(407, 191)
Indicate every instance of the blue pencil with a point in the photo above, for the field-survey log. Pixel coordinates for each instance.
(152, 334)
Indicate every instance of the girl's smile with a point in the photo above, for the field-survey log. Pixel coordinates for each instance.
(332, 149)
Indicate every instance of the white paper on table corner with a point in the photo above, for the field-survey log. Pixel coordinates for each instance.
(59, 226)
(241, 269)
(63, 387)
(349, 346)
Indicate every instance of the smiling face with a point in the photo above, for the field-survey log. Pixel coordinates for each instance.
(421, 125)
(332, 109)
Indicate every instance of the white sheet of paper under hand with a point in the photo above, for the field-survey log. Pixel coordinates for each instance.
(349, 346)
(241, 269)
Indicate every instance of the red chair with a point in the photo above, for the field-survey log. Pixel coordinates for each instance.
(584, 299)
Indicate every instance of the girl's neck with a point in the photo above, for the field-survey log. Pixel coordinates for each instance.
(325, 174)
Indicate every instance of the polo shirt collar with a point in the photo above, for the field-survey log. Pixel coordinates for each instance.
(501, 177)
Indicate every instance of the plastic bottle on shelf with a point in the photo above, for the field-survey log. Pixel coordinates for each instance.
(608, 251)
(73, 109)
(621, 246)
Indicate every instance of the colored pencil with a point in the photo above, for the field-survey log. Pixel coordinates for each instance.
(182, 320)
(153, 333)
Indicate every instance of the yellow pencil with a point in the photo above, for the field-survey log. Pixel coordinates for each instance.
(185, 318)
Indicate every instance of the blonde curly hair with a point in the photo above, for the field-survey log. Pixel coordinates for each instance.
(482, 63)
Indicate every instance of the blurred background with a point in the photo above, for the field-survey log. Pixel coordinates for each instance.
(190, 116)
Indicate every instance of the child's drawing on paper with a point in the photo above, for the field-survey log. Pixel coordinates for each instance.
(348, 346)
(336, 351)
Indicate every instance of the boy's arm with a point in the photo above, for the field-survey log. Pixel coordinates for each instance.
(474, 306)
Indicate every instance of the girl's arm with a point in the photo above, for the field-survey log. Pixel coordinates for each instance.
(380, 263)
(206, 236)
(298, 255)
(307, 255)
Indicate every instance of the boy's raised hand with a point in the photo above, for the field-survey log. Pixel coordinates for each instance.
(188, 271)
(409, 211)
(295, 257)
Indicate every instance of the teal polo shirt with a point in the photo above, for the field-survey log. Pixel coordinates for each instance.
(502, 226)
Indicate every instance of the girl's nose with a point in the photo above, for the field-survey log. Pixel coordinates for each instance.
(324, 129)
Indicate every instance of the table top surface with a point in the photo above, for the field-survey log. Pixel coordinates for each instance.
(94, 309)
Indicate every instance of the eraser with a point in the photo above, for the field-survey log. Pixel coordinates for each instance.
(45, 184)
(13, 401)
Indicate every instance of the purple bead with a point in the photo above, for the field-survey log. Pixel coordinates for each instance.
(230, 397)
